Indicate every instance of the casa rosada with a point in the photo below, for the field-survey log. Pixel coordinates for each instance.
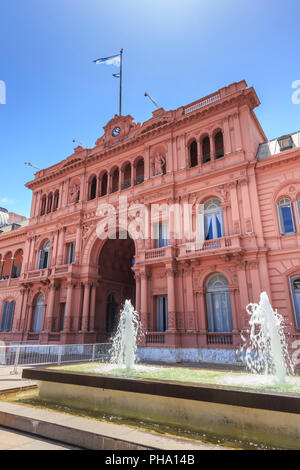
(191, 215)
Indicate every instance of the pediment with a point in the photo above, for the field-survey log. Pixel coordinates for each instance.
(117, 129)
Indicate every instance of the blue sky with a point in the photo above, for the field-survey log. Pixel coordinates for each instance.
(176, 50)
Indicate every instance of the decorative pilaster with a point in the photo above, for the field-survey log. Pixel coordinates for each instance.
(86, 307)
(170, 272)
(69, 306)
(93, 307)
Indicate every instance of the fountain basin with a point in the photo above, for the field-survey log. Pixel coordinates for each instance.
(261, 416)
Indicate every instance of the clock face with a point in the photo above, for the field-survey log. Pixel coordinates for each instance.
(116, 131)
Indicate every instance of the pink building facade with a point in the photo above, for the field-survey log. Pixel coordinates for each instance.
(227, 228)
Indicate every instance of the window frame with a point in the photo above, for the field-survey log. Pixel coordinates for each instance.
(280, 206)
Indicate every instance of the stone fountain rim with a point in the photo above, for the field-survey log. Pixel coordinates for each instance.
(247, 398)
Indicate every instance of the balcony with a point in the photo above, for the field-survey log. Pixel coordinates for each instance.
(219, 246)
(37, 275)
(9, 282)
(157, 254)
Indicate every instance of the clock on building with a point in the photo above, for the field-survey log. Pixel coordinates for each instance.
(116, 131)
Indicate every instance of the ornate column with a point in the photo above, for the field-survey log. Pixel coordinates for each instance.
(255, 281)
(78, 243)
(202, 311)
(237, 132)
(148, 226)
(246, 205)
(212, 147)
(199, 151)
(170, 272)
(22, 324)
(188, 271)
(169, 157)
(54, 249)
(69, 306)
(93, 307)
(146, 163)
(50, 308)
(144, 300)
(235, 209)
(18, 311)
(61, 245)
(137, 292)
(86, 307)
(243, 287)
(226, 136)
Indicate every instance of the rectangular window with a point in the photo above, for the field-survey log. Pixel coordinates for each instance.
(161, 313)
(7, 316)
(162, 234)
(71, 252)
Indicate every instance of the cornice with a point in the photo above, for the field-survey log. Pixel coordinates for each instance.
(278, 159)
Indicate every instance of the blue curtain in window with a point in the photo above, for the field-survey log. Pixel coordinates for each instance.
(287, 219)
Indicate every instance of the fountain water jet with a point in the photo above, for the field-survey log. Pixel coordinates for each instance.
(123, 351)
(267, 350)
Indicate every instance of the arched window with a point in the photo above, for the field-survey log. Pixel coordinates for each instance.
(295, 291)
(115, 181)
(38, 317)
(193, 150)
(206, 149)
(104, 184)
(210, 222)
(7, 317)
(17, 264)
(127, 176)
(140, 171)
(43, 205)
(111, 313)
(49, 203)
(44, 256)
(219, 145)
(7, 266)
(218, 305)
(286, 217)
(93, 188)
(55, 200)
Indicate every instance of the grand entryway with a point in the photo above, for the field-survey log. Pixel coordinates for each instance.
(116, 283)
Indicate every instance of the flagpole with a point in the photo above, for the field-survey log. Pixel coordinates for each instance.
(121, 55)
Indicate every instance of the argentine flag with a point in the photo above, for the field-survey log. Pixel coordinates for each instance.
(112, 60)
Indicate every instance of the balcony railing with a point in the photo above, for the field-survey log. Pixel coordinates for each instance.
(231, 243)
(224, 339)
(155, 338)
(157, 253)
(202, 103)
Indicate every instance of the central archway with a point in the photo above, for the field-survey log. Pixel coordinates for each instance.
(116, 283)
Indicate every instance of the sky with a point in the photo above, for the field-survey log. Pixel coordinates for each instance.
(176, 50)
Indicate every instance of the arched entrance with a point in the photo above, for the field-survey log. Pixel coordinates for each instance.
(116, 283)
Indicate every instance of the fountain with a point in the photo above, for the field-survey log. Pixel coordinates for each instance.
(124, 343)
(263, 405)
(267, 350)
